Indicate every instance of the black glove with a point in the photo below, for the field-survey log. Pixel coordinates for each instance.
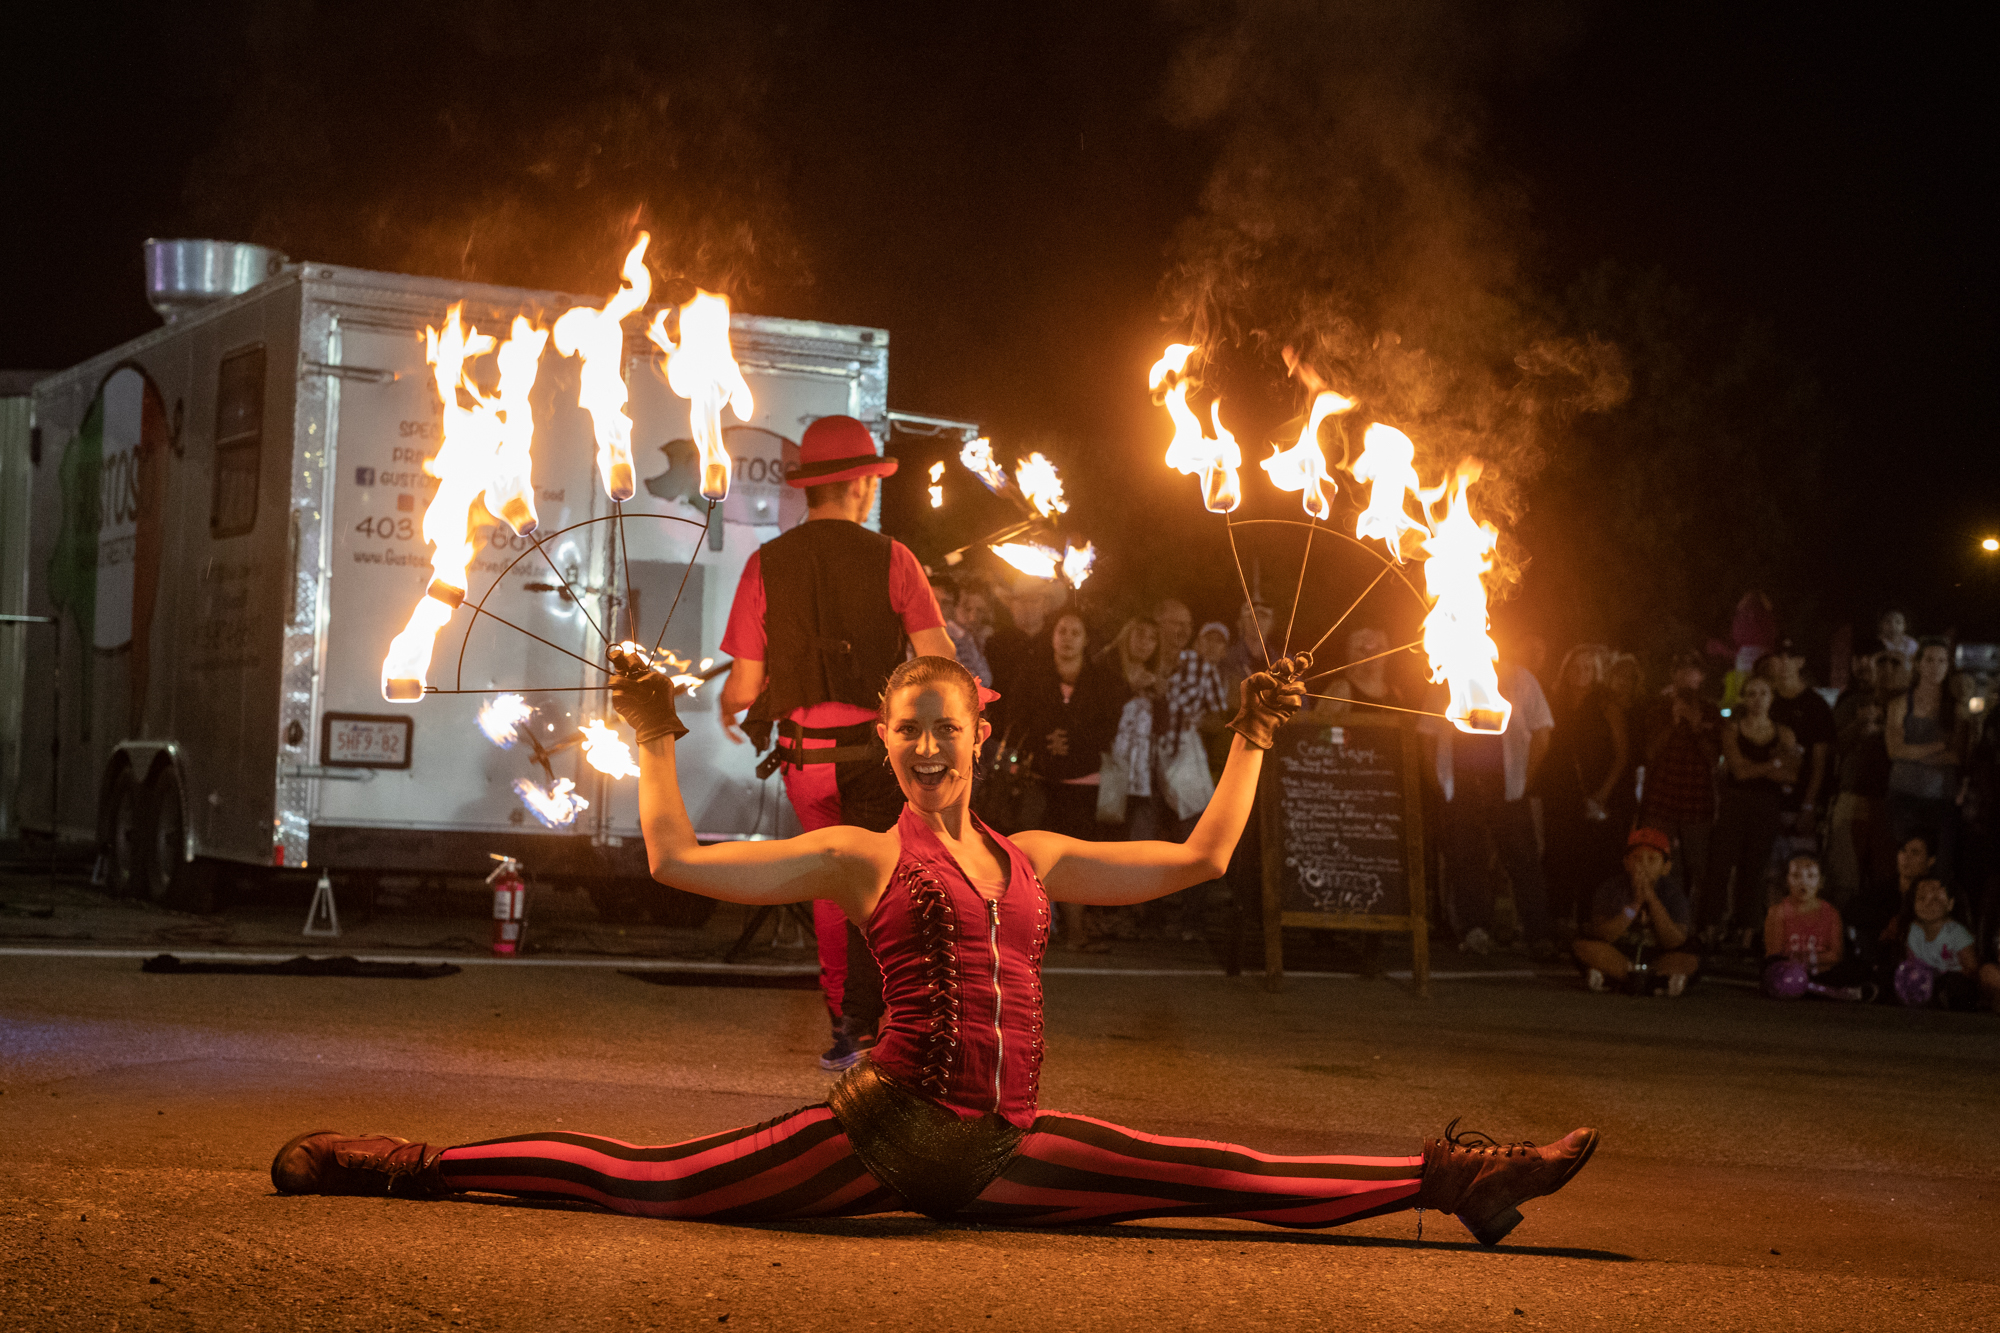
(644, 695)
(1270, 698)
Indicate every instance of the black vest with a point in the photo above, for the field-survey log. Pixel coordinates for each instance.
(832, 635)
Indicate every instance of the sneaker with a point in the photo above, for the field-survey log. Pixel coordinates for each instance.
(846, 1052)
(1676, 985)
(1596, 981)
(1476, 941)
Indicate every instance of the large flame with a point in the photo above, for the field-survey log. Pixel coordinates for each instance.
(703, 370)
(977, 457)
(1303, 466)
(510, 494)
(1040, 486)
(557, 806)
(598, 337)
(1461, 651)
(604, 751)
(1191, 452)
(483, 450)
(1388, 467)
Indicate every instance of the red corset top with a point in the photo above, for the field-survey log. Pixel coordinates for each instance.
(962, 979)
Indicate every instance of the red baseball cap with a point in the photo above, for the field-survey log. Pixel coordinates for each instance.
(1650, 837)
(837, 449)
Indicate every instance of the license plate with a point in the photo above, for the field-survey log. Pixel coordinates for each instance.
(360, 740)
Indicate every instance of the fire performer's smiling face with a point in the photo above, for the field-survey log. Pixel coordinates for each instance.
(933, 734)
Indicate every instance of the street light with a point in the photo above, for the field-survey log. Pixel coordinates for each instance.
(1990, 545)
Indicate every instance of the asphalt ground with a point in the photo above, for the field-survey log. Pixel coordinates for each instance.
(1763, 1165)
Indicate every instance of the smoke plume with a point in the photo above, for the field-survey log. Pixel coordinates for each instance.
(1354, 226)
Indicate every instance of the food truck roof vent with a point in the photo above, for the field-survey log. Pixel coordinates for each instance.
(184, 276)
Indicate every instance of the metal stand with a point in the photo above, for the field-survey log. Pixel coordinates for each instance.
(322, 895)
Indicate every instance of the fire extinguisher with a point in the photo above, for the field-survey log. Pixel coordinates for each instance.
(510, 905)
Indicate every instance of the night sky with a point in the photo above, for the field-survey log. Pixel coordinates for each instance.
(1768, 218)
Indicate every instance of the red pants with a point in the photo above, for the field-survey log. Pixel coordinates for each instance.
(1069, 1169)
(815, 799)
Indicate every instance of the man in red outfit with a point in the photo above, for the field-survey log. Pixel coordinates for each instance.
(822, 615)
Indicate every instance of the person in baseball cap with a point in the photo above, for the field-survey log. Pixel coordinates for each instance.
(1639, 937)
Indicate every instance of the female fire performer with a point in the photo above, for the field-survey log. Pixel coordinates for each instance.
(942, 1118)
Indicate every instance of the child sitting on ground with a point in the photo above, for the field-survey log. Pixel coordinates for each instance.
(1804, 929)
(1638, 929)
(1942, 945)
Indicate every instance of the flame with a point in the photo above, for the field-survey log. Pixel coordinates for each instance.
(598, 337)
(937, 491)
(510, 493)
(1040, 486)
(1031, 558)
(1221, 486)
(501, 717)
(1190, 451)
(1076, 563)
(1037, 561)
(483, 450)
(677, 667)
(1461, 651)
(557, 807)
(703, 370)
(1303, 466)
(1388, 467)
(605, 752)
(977, 456)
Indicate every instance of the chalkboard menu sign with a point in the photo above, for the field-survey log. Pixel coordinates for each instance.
(1342, 812)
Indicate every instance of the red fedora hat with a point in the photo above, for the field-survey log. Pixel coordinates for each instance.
(837, 449)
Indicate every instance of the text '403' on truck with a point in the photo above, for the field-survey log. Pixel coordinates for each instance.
(228, 528)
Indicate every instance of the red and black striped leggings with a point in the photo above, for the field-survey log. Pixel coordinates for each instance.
(1069, 1169)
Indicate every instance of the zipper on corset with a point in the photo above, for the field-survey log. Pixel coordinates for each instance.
(999, 1037)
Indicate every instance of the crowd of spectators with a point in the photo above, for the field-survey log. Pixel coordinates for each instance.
(1793, 825)
(1739, 814)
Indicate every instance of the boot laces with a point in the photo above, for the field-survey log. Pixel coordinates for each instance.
(1475, 1141)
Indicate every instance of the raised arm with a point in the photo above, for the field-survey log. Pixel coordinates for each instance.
(843, 864)
(1114, 873)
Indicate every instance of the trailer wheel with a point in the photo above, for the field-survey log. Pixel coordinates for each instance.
(123, 836)
(170, 878)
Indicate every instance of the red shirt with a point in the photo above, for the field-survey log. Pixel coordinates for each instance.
(909, 593)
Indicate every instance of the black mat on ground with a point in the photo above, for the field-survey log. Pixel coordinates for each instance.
(747, 980)
(303, 966)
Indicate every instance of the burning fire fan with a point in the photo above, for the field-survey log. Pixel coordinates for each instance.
(484, 465)
(1407, 518)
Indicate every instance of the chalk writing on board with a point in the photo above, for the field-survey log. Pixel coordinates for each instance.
(1340, 822)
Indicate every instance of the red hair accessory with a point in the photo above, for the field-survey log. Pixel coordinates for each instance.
(987, 696)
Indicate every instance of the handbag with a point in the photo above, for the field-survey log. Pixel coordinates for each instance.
(1189, 785)
(1113, 783)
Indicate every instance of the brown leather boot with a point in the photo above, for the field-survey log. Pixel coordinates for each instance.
(326, 1161)
(1482, 1182)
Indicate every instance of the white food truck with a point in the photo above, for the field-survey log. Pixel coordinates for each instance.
(227, 528)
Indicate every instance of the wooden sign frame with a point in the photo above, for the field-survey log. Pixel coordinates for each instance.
(1414, 923)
